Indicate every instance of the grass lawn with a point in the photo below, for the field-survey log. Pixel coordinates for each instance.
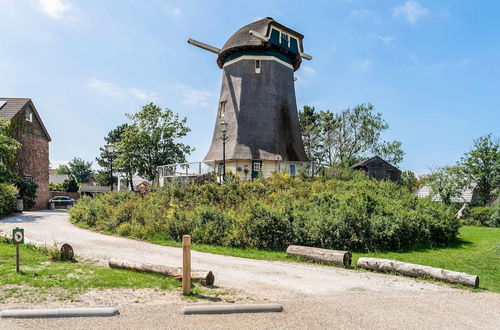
(39, 276)
(477, 251)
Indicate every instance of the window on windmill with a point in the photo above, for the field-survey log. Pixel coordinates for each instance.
(257, 66)
(222, 110)
(29, 116)
(285, 38)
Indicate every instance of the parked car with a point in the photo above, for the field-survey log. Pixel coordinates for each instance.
(62, 201)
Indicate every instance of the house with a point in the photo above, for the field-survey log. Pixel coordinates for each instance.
(378, 168)
(32, 160)
(468, 195)
(58, 178)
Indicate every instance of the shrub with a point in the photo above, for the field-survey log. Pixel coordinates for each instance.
(483, 216)
(348, 211)
(27, 191)
(8, 196)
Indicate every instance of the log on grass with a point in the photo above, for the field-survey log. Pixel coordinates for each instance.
(342, 258)
(202, 276)
(414, 270)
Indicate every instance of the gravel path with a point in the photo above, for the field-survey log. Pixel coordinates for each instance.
(314, 297)
(263, 279)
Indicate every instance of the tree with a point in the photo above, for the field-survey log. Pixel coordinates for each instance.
(309, 121)
(70, 184)
(8, 150)
(348, 136)
(446, 183)
(409, 180)
(80, 170)
(106, 159)
(63, 169)
(481, 165)
(151, 140)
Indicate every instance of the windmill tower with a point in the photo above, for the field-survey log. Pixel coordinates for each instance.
(257, 100)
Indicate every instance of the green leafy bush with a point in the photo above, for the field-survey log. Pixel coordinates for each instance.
(8, 196)
(350, 211)
(27, 191)
(483, 216)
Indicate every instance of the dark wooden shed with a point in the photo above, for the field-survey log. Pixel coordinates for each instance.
(378, 168)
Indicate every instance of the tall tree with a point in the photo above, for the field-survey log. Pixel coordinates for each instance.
(446, 183)
(481, 165)
(8, 150)
(151, 140)
(349, 135)
(106, 159)
(80, 169)
(63, 169)
(310, 128)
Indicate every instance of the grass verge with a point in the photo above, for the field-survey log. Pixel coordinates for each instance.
(40, 277)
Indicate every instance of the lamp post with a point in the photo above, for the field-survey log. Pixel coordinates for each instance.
(223, 128)
(111, 148)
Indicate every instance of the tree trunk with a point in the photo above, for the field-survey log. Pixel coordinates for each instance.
(342, 258)
(414, 270)
(202, 276)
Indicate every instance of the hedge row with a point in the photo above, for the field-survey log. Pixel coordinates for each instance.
(352, 212)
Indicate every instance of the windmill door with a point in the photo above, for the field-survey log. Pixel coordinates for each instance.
(256, 168)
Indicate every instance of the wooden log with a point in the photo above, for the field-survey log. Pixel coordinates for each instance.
(342, 258)
(202, 276)
(414, 270)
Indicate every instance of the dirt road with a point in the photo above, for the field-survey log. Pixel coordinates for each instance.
(314, 297)
(263, 279)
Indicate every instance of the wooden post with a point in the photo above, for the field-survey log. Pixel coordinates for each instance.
(17, 258)
(186, 265)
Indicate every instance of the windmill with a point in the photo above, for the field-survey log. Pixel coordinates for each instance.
(257, 99)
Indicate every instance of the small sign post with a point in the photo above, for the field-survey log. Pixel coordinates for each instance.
(17, 238)
(186, 265)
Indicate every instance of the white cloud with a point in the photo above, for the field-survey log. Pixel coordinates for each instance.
(363, 64)
(175, 11)
(385, 39)
(308, 70)
(198, 98)
(112, 90)
(412, 11)
(464, 62)
(365, 13)
(54, 8)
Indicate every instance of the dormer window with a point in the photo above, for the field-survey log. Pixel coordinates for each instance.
(285, 39)
(29, 116)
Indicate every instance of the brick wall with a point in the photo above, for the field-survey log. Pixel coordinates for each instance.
(33, 161)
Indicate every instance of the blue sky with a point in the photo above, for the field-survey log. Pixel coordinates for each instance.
(431, 67)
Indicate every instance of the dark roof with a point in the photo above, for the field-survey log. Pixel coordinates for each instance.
(243, 40)
(369, 160)
(14, 105)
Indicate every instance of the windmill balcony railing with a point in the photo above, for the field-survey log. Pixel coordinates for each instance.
(195, 170)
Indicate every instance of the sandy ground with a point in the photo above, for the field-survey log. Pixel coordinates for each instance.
(314, 297)
(343, 310)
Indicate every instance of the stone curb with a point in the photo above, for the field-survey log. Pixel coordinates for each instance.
(59, 312)
(231, 309)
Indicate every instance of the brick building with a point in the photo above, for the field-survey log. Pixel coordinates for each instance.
(32, 161)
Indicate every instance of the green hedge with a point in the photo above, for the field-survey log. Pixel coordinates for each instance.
(351, 212)
(8, 196)
(482, 216)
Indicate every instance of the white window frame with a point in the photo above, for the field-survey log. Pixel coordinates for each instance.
(258, 65)
(257, 167)
(29, 116)
(222, 110)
